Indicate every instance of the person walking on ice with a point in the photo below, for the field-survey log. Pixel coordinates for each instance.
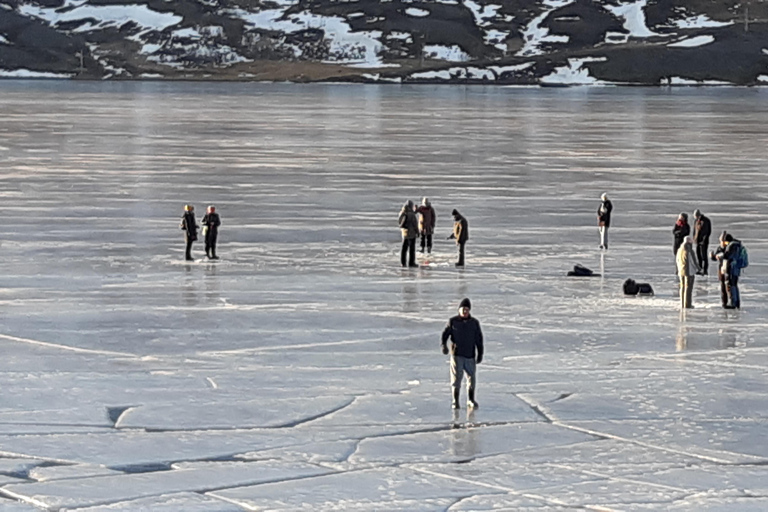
(189, 226)
(409, 227)
(466, 351)
(702, 229)
(460, 234)
(687, 268)
(604, 219)
(211, 223)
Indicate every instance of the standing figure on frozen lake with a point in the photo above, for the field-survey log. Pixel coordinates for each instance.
(680, 231)
(211, 223)
(189, 226)
(460, 234)
(466, 351)
(730, 262)
(427, 218)
(702, 228)
(687, 268)
(409, 227)
(604, 219)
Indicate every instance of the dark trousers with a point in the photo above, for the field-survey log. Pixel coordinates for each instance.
(733, 291)
(189, 240)
(426, 239)
(461, 253)
(701, 255)
(210, 244)
(723, 288)
(409, 244)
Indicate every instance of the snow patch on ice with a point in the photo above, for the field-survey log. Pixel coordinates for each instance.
(105, 15)
(417, 13)
(634, 18)
(449, 53)
(534, 34)
(26, 73)
(693, 42)
(700, 21)
(574, 73)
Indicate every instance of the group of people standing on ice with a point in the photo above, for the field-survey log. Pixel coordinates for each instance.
(211, 222)
(419, 221)
(731, 255)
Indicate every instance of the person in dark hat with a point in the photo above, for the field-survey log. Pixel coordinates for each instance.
(460, 234)
(211, 222)
(680, 231)
(409, 228)
(728, 270)
(427, 218)
(466, 351)
(189, 226)
(702, 229)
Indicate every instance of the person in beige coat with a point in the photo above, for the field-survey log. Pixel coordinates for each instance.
(687, 267)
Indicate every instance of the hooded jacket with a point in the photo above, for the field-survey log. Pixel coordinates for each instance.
(686, 261)
(460, 228)
(427, 218)
(466, 335)
(409, 226)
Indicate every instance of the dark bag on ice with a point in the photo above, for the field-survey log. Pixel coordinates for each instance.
(580, 271)
(633, 288)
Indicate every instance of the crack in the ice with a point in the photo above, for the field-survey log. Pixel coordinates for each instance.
(562, 396)
(115, 414)
(535, 408)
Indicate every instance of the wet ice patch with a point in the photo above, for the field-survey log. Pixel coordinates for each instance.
(693, 42)
(574, 73)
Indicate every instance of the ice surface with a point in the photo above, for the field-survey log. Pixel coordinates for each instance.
(303, 371)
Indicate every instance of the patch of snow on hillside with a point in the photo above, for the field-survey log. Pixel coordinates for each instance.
(429, 75)
(693, 42)
(634, 18)
(187, 32)
(534, 34)
(765, 51)
(480, 74)
(346, 47)
(762, 78)
(448, 53)
(25, 73)
(574, 73)
(616, 37)
(700, 21)
(483, 13)
(448, 2)
(496, 38)
(676, 80)
(400, 36)
(507, 69)
(4, 40)
(417, 13)
(104, 16)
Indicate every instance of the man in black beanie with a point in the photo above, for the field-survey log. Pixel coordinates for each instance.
(466, 351)
(460, 234)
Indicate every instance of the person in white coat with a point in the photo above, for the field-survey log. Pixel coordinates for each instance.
(687, 268)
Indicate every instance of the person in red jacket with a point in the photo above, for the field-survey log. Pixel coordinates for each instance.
(466, 351)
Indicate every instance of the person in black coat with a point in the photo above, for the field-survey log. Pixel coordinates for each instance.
(680, 231)
(189, 226)
(604, 219)
(460, 234)
(211, 223)
(466, 351)
(702, 229)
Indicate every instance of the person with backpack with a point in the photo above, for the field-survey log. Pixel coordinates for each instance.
(460, 234)
(409, 228)
(427, 219)
(466, 351)
(732, 258)
(702, 229)
(687, 268)
(604, 219)
(680, 231)
(189, 226)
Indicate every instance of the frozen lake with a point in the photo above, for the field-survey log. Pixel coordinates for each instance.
(303, 370)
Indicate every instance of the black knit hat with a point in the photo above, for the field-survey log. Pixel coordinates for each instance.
(465, 303)
(455, 212)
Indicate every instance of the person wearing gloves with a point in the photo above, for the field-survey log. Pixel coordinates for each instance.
(687, 268)
(604, 219)
(460, 234)
(427, 220)
(409, 227)
(466, 351)
(189, 226)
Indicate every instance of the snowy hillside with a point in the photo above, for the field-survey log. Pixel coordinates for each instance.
(502, 41)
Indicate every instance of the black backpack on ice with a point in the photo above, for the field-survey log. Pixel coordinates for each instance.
(633, 288)
(580, 271)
